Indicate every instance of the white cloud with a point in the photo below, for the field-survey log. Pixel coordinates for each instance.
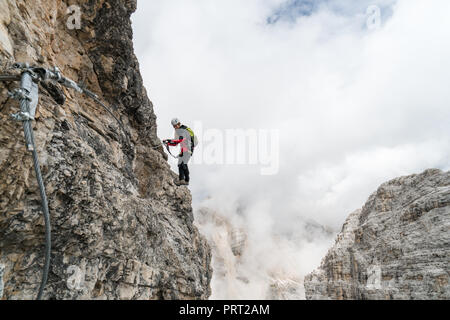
(354, 108)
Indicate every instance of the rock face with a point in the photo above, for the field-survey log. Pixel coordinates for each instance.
(396, 247)
(120, 228)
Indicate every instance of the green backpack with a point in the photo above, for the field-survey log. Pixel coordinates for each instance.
(194, 141)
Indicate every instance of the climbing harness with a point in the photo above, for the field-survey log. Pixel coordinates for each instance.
(28, 96)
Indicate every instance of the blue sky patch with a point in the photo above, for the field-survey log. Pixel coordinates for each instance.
(291, 10)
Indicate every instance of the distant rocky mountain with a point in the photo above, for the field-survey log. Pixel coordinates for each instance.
(396, 247)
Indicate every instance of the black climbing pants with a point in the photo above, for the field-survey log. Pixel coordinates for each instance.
(183, 172)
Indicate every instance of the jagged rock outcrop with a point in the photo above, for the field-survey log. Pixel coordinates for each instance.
(396, 247)
(121, 229)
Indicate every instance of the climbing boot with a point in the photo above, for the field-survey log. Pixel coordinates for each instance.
(179, 182)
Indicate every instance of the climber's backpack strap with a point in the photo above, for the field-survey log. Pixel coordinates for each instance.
(194, 140)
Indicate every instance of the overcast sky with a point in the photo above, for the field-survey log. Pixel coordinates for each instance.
(354, 106)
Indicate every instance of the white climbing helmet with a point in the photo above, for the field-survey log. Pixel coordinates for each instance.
(175, 121)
